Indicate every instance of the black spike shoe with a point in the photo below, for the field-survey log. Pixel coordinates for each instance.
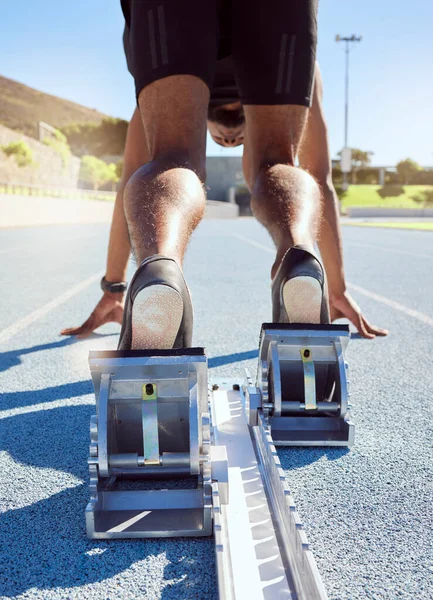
(158, 309)
(299, 292)
(299, 295)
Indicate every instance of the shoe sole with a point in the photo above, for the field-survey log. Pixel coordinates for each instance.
(302, 297)
(157, 313)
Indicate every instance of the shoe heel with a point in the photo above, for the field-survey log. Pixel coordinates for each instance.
(157, 314)
(302, 297)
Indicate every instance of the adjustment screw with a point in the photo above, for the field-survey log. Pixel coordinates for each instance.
(149, 389)
(307, 353)
(236, 387)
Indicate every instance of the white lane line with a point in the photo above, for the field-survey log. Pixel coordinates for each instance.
(252, 242)
(410, 312)
(25, 322)
(396, 305)
(129, 522)
(24, 410)
(391, 250)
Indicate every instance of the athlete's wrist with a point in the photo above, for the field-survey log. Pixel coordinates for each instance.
(113, 287)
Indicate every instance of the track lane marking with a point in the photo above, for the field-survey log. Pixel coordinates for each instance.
(392, 251)
(252, 242)
(410, 312)
(396, 305)
(43, 406)
(41, 312)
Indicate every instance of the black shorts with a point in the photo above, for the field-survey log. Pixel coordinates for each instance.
(272, 43)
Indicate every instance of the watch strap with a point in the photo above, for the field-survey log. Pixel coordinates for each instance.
(115, 287)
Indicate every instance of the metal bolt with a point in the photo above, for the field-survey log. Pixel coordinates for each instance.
(306, 353)
(149, 389)
(236, 387)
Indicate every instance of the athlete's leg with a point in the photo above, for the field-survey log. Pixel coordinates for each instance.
(171, 50)
(165, 200)
(172, 57)
(275, 78)
(285, 199)
(135, 155)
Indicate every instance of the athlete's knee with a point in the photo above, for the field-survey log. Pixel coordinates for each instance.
(166, 174)
(282, 173)
(279, 185)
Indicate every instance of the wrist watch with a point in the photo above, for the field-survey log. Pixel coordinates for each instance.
(115, 287)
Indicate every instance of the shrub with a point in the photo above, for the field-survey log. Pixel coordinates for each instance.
(341, 193)
(425, 197)
(390, 191)
(20, 151)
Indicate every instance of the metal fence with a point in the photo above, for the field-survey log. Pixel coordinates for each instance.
(19, 189)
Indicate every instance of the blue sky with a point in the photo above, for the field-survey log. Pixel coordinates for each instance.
(73, 50)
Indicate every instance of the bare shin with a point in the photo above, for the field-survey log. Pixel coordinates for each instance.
(165, 200)
(285, 199)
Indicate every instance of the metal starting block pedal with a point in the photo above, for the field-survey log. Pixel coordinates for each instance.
(302, 387)
(152, 424)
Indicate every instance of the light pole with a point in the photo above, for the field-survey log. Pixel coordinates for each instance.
(346, 158)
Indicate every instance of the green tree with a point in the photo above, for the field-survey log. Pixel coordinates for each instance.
(406, 170)
(59, 143)
(360, 160)
(21, 152)
(97, 173)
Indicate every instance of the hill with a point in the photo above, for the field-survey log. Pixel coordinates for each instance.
(21, 107)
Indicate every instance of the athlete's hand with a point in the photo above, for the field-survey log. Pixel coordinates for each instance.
(344, 306)
(108, 310)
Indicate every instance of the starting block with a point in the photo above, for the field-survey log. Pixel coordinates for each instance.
(302, 387)
(171, 456)
(152, 424)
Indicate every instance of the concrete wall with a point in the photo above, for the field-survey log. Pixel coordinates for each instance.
(223, 172)
(48, 170)
(221, 210)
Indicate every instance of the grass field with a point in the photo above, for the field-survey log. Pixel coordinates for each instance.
(366, 195)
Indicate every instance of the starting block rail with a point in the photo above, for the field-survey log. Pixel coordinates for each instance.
(268, 555)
